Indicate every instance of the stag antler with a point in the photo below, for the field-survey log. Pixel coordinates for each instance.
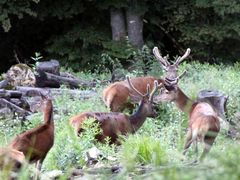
(181, 75)
(150, 95)
(131, 85)
(181, 58)
(163, 61)
(156, 86)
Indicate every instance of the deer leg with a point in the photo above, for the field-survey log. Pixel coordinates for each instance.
(196, 150)
(189, 140)
(208, 142)
(38, 166)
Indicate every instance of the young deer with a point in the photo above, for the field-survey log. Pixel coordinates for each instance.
(35, 143)
(11, 159)
(204, 123)
(120, 95)
(113, 123)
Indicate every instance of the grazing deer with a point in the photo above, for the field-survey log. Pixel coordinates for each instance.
(204, 122)
(120, 95)
(11, 159)
(113, 123)
(35, 143)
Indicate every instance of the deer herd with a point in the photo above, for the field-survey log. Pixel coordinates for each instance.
(203, 125)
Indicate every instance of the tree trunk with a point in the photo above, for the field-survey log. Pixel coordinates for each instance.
(135, 28)
(117, 24)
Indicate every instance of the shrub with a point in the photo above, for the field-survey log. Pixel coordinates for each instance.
(140, 149)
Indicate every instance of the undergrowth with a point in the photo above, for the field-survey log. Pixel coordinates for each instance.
(157, 144)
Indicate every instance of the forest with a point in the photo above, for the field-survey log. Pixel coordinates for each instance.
(58, 121)
(81, 33)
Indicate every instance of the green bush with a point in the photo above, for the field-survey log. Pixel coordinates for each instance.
(141, 149)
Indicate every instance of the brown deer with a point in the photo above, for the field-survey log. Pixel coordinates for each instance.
(114, 123)
(11, 159)
(120, 95)
(204, 123)
(35, 143)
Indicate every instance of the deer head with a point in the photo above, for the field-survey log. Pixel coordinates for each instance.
(146, 103)
(171, 69)
(170, 93)
(40, 102)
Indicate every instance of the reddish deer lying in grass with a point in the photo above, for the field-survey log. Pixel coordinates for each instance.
(120, 95)
(204, 123)
(11, 159)
(113, 123)
(35, 143)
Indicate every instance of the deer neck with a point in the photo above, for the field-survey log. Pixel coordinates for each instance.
(183, 102)
(137, 119)
(48, 113)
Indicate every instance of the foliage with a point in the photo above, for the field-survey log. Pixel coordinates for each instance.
(210, 28)
(142, 150)
(17, 9)
(78, 33)
(156, 146)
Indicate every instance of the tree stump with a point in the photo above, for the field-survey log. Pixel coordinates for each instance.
(19, 75)
(217, 99)
(51, 66)
(48, 75)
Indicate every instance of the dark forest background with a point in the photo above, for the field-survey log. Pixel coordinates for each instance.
(83, 34)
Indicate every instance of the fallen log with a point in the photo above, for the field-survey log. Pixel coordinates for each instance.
(45, 79)
(22, 102)
(10, 94)
(14, 107)
(34, 91)
(3, 84)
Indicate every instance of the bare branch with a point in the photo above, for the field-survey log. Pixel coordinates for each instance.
(16, 56)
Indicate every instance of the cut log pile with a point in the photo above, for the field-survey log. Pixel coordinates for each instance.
(27, 87)
(48, 75)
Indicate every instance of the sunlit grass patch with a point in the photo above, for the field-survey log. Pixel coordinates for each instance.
(142, 150)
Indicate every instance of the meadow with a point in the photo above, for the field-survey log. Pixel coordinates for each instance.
(154, 152)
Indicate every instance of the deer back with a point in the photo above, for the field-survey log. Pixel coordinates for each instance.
(35, 143)
(204, 118)
(118, 95)
(112, 124)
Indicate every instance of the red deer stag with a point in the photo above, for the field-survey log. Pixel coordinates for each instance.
(120, 95)
(114, 123)
(204, 123)
(35, 143)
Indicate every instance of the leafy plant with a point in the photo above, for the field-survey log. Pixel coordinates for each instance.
(140, 149)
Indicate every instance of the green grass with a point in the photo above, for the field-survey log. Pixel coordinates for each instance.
(142, 149)
(158, 143)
